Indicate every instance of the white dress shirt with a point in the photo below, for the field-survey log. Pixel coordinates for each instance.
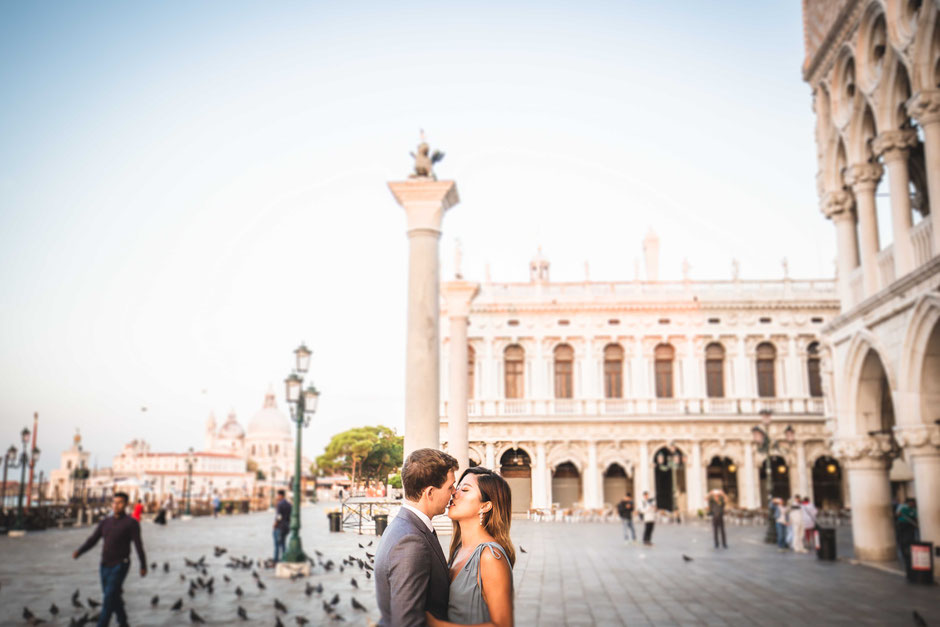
(424, 517)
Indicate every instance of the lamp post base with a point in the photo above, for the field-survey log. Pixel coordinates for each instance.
(285, 570)
(16, 533)
(186, 517)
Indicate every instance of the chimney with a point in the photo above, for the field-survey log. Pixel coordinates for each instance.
(651, 254)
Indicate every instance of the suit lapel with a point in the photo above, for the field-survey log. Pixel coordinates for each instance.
(432, 540)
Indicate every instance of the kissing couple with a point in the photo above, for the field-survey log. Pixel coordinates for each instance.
(414, 583)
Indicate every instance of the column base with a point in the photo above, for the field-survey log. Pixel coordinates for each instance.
(286, 570)
(186, 517)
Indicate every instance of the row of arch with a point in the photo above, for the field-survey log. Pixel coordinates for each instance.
(669, 482)
(664, 356)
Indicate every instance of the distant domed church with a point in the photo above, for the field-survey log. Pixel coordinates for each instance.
(268, 441)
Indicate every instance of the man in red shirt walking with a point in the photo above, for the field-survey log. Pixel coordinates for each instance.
(118, 532)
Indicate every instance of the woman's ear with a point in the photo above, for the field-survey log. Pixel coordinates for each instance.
(487, 507)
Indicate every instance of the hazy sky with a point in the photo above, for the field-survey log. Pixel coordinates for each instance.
(188, 190)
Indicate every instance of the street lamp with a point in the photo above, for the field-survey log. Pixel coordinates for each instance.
(190, 460)
(25, 460)
(765, 445)
(303, 404)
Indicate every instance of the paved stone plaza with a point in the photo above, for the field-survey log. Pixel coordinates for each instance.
(571, 574)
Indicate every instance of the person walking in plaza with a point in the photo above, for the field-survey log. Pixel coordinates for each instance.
(216, 505)
(138, 510)
(779, 513)
(717, 501)
(795, 525)
(481, 553)
(625, 510)
(411, 574)
(809, 521)
(281, 525)
(647, 512)
(118, 531)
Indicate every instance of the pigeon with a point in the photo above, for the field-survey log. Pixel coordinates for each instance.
(354, 583)
(357, 605)
(308, 590)
(27, 615)
(54, 609)
(166, 567)
(242, 614)
(318, 588)
(192, 593)
(318, 553)
(327, 608)
(277, 621)
(334, 600)
(370, 543)
(238, 591)
(92, 603)
(301, 620)
(153, 566)
(686, 558)
(194, 617)
(279, 606)
(154, 601)
(261, 585)
(368, 575)
(226, 579)
(75, 600)
(182, 577)
(372, 555)
(177, 606)
(337, 617)
(918, 619)
(522, 549)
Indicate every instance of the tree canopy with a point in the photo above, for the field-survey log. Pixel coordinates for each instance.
(363, 453)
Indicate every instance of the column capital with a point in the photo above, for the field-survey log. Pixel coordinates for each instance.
(864, 176)
(867, 451)
(425, 201)
(925, 106)
(837, 205)
(919, 440)
(457, 297)
(894, 145)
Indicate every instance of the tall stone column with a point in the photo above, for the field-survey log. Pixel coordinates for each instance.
(695, 478)
(457, 298)
(925, 108)
(838, 206)
(865, 459)
(425, 201)
(922, 445)
(490, 454)
(592, 478)
(751, 500)
(643, 469)
(895, 146)
(863, 179)
(540, 496)
(802, 470)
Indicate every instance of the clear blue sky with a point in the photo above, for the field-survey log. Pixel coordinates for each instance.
(188, 190)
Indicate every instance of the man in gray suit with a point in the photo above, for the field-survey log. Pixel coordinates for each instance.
(411, 573)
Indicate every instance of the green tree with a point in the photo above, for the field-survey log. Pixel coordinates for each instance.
(363, 453)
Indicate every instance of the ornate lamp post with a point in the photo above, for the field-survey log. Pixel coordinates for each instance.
(25, 460)
(671, 462)
(765, 445)
(190, 461)
(303, 405)
(8, 460)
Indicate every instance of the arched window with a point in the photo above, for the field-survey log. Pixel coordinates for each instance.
(766, 354)
(812, 370)
(664, 355)
(613, 371)
(564, 371)
(514, 358)
(715, 370)
(471, 360)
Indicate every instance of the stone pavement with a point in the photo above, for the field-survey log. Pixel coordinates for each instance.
(571, 574)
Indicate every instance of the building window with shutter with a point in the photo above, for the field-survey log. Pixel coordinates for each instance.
(812, 370)
(564, 371)
(613, 371)
(664, 356)
(715, 370)
(514, 360)
(766, 355)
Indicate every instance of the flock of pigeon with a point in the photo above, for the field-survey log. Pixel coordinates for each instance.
(198, 581)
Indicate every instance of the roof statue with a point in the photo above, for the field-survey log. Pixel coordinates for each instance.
(458, 259)
(424, 161)
(735, 269)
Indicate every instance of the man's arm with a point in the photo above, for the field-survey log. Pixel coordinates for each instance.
(90, 542)
(139, 547)
(408, 576)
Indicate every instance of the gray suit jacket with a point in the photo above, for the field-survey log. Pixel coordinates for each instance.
(411, 573)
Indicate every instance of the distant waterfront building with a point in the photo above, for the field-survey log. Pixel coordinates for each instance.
(579, 392)
(73, 462)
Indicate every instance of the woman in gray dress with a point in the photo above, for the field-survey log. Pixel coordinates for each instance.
(481, 553)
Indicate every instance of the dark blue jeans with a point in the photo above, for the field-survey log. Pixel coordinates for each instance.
(112, 584)
(280, 538)
(781, 535)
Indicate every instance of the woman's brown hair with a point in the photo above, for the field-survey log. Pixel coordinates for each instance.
(493, 488)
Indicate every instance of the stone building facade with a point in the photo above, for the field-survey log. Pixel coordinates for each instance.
(580, 392)
(874, 68)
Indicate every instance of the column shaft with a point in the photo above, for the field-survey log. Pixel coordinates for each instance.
(643, 469)
(457, 437)
(540, 496)
(927, 490)
(901, 220)
(872, 518)
(751, 501)
(592, 497)
(925, 108)
(695, 479)
(864, 179)
(847, 260)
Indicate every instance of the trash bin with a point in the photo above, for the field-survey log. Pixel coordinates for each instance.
(336, 521)
(825, 539)
(381, 522)
(920, 566)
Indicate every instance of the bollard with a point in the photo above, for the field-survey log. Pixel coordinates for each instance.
(381, 522)
(825, 539)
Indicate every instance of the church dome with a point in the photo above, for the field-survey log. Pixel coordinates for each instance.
(269, 421)
(231, 429)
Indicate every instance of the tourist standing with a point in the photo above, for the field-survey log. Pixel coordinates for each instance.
(648, 513)
(809, 521)
(118, 531)
(281, 524)
(216, 505)
(717, 501)
(795, 525)
(780, 520)
(907, 529)
(625, 510)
